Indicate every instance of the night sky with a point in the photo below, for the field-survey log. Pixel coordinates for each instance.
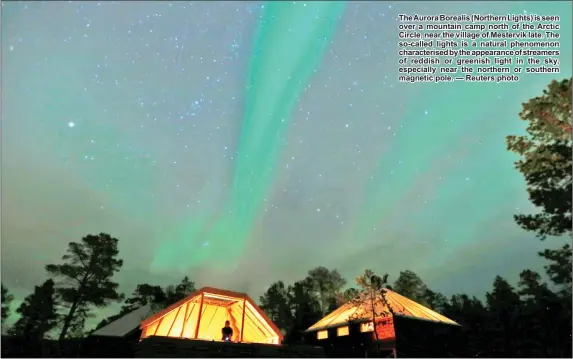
(243, 143)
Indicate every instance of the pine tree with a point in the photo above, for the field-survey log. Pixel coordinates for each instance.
(545, 160)
(275, 302)
(504, 306)
(175, 293)
(326, 284)
(303, 308)
(145, 294)
(411, 286)
(87, 277)
(38, 313)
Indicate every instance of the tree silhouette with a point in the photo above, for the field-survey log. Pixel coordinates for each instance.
(78, 324)
(473, 316)
(546, 164)
(372, 287)
(144, 294)
(435, 300)
(37, 313)
(326, 284)
(505, 307)
(6, 301)
(175, 293)
(545, 160)
(532, 321)
(86, 276)
(541, 310)
(293, 309)
(304, 308)
(559, 268)
(275, 303)
(410, 285)
(346, 296)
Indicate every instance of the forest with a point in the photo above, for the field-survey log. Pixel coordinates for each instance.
(531, 318)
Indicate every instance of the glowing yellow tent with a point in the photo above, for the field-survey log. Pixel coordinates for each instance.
(203, 313)
(360, 311)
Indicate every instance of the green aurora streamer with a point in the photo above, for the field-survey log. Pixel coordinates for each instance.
(289, 45)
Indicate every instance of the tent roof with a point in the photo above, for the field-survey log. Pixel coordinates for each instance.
(125, 324)
(361, 310)
(217, 297)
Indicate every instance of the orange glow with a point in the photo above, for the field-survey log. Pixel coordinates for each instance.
(397, 304)
(323, 334)
(181, 319)
(342, 331)
(385, 329)
(366, 327)
(150, 330)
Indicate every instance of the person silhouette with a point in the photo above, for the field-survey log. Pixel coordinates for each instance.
(227, 332)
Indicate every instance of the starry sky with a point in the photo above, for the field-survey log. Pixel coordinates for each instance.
(241, 143)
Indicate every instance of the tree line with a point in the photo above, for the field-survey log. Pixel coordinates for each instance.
(531, 319)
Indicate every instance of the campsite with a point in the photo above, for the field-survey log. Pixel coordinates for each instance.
(257, 179)
(321, 315)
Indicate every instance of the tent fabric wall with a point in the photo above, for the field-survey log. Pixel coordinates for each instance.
(362, 310)
(202, 315)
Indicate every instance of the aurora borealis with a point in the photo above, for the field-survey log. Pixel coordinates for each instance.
(281, 64)
(243, 143)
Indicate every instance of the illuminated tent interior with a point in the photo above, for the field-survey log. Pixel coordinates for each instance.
(202, 315)
(360, 310)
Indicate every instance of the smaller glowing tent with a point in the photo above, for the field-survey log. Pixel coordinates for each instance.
(202, 315)
(360, 311)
